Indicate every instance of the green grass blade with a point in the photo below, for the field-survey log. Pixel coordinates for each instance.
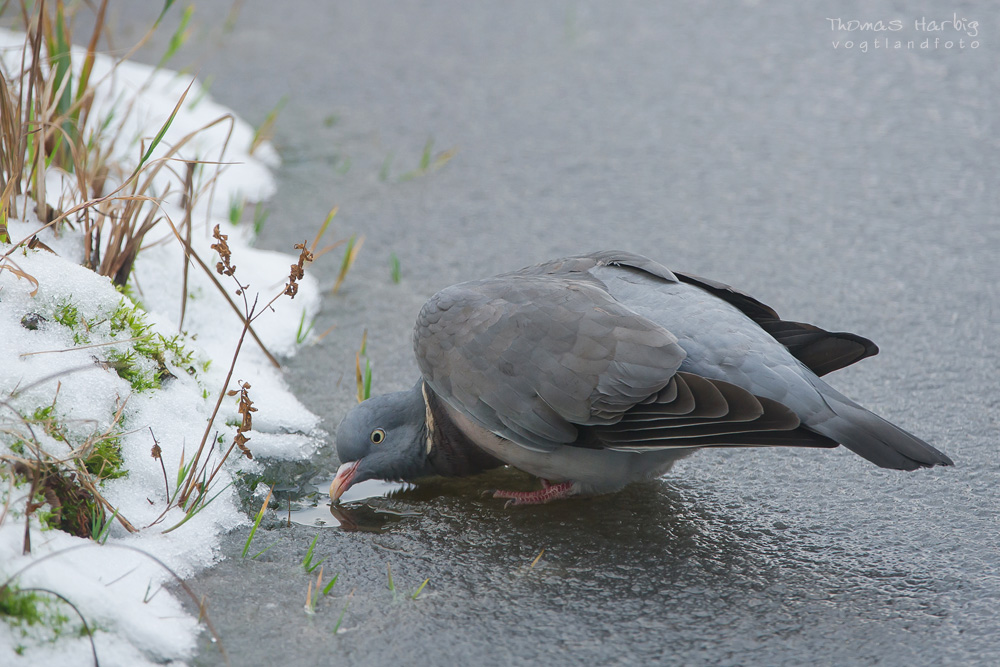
(340, 619)
(368, 379)
(178, 38)
(266, 129)
(61, 62)
(417, 592)
(309, 551)
(394, 270)
(350, 254)
(261, 552)
(236, 206)
(260, 215)
(323, 228)
(307, 561)
(106, 529)
(163, 12)
(329, 586)
(182, 472)
(163, 130)
(197, 507)
(303, 331)
(256, 523)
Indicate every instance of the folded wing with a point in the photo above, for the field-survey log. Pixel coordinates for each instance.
(535, 358)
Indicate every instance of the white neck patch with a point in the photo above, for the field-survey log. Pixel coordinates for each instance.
(428, 418)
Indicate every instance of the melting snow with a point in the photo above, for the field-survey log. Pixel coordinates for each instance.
(118, 589)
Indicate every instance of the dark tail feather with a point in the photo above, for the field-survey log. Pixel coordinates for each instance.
(872, 437)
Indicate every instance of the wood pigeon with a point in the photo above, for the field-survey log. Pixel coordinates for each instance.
(596, 371)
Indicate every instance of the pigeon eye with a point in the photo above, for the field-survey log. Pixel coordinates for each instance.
(377, 436)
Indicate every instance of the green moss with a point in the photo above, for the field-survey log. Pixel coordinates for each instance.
(46, 418)
(44, 414)
(174, 350)
(129, 291)
(130, 369)
(129, 317)
(130, 320)
(67, 314)
(27, 609)
(20, 608)
(105, 460)
(47, 517)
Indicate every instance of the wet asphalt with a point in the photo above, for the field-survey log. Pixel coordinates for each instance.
(851, 187)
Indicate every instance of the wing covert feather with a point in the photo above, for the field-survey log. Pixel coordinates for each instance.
(532, 357)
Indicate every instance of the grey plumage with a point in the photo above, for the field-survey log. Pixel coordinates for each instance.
(603, 369)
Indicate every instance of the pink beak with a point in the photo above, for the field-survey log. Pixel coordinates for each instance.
(343, 480)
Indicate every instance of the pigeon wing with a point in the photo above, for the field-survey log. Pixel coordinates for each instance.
(822, 351)
(533, 357)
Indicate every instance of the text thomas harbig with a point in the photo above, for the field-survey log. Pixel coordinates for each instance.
(931, 34)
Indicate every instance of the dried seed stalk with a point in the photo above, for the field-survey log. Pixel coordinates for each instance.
(246, 409)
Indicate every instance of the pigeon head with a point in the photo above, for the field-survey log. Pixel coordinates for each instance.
(383, 438)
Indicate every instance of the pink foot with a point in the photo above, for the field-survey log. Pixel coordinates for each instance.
(545, 494)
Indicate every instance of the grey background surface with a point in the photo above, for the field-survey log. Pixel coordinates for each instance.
(852, 189)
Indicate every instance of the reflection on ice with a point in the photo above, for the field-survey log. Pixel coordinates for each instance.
(351, 513)
(372, 488)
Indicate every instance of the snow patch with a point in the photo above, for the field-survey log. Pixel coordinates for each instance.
(119, 590)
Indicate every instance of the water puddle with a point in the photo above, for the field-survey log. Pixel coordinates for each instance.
(358, 509)
(374, 505)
